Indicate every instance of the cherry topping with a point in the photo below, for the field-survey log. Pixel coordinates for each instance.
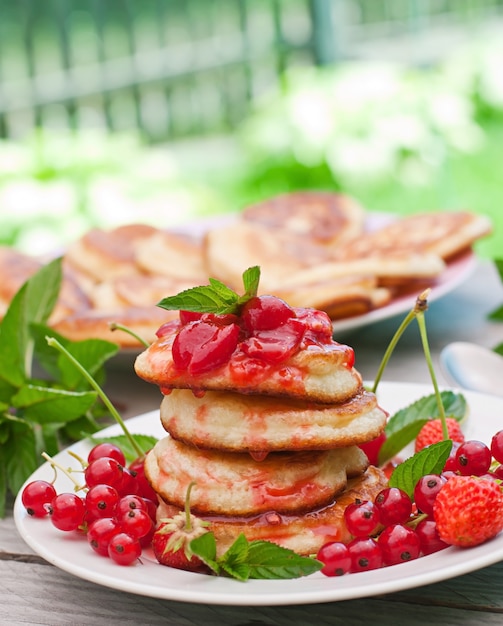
(275, 346)
(265, 313)
(202, 346)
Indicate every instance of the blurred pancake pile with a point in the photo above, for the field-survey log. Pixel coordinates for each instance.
(314, 250)
(271, 447)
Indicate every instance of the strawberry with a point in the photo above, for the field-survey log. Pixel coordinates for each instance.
(468, 510)
(431, 432)
(171, 539)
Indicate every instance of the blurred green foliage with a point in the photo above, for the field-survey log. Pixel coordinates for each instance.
(400, 139)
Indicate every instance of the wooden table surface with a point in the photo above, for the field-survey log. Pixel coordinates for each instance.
(35, 592)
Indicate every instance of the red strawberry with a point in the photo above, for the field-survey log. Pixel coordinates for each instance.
(468, 510)
(171, 540)
(431, 432)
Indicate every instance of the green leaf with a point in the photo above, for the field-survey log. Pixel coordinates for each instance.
(214, 298)
(254, 559)
(405, 424)
(3, 482)
(205, 547)
(45, 405)
(33, 303)
(20, 455)
(497, 314)
(430, 460)
(146, 442)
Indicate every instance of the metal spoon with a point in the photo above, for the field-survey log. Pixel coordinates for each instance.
(473, 367)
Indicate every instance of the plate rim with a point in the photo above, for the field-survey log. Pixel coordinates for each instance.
(203, 589)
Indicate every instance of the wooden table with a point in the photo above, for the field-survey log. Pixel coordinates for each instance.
(34, 592)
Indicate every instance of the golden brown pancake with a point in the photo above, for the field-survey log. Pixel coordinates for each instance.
(174, 255)
(231, 483)
(101, 254)
(144, 321)
(249, 423)
(444, 234)
(305, 534)
(321, 373)
(324, 217)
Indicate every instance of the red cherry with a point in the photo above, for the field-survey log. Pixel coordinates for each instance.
(201, 347)
(265, 313)
(275, 346)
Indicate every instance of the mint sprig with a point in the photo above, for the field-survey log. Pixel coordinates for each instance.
(214, 298)
(253, 559)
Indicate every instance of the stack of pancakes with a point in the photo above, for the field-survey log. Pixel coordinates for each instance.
(276, 458)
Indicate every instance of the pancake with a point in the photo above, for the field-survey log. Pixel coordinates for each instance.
(171, 254)
(93, 323)
(244, 423)
(229, 250)
(305, 534)
(444, 234)
(235, 484)
(324, 217)
(321, 373)
(339, 297)
(15, 269)
(101, 254)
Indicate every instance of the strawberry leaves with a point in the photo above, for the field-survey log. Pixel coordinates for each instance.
(253, 559)
(214, 298)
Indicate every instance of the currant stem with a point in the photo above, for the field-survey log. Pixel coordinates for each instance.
(116, 326)
(115, 414)
(66, 471)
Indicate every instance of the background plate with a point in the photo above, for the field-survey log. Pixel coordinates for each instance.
(71, 553)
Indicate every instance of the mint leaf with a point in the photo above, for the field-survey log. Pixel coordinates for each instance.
(214, 298)
(254, 559)
(430, 460)
(404, 426)
(20, 455)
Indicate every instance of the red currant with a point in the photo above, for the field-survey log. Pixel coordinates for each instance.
(104, 471)
(124, 549)
(399, 544)
(265, 313)
(451, 465)
(429, 538)
(426, 490)
(497, 446)
(144, 488)
(136, 523)
(473, 458)
(365, 554)
(362, 518)
(67, 511)
(394, 506)
(131, 502)
(106, 449)
(335, 558)
(101, 501)
(129, 484)
(100, 533)
(36, 497)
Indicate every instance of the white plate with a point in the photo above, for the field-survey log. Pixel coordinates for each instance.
(72, 554)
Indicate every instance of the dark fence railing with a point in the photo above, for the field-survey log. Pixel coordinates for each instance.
(174, 68)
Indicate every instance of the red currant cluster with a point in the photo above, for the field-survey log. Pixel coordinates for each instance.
(393, 528)
(117, 513)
